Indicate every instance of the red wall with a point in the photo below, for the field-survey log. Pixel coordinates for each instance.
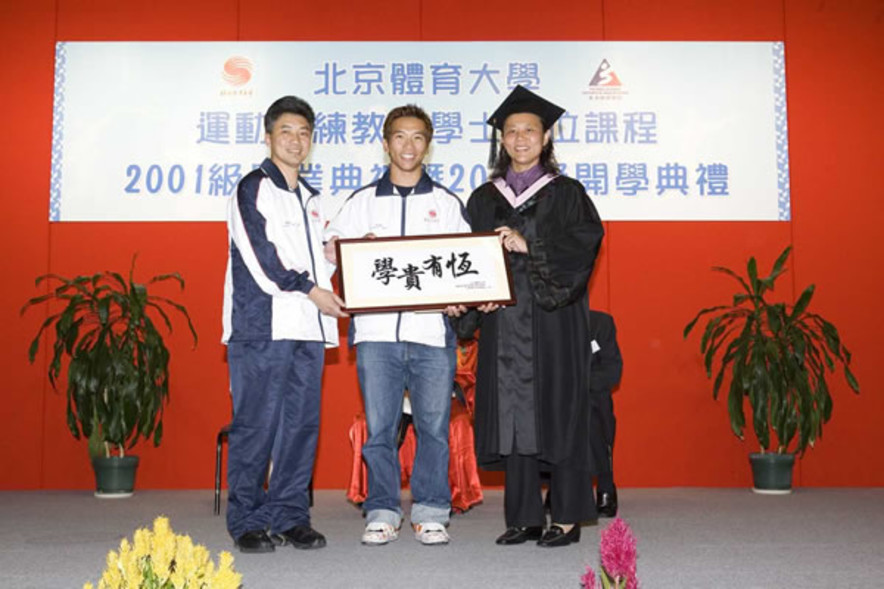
(652, 276)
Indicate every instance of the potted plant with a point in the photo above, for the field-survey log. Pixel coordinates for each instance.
(117, 365)
(775, 356)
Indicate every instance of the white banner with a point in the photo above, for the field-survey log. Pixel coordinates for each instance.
(654, 131)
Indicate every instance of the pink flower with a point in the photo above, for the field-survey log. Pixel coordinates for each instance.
(618, 552)
(588, 579)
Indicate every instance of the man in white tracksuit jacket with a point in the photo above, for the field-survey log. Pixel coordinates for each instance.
(279, 316)
(404, 350)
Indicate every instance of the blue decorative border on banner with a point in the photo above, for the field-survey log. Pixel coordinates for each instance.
(57, 133)
(782, 128)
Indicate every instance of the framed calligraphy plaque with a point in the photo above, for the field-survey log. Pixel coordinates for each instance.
(423, 272)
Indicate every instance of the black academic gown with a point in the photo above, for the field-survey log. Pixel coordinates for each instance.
(534, 357)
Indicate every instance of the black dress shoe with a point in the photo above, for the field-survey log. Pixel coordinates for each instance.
(519, 535)
(255, 541)
(301, 537)
(556, 536)
(606, 503)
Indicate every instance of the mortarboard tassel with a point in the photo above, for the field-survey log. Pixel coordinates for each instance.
(492, 149)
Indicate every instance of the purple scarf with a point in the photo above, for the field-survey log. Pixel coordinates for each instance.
(520, 181)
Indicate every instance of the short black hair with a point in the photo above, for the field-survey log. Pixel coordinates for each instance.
(288, 104)
(408, 110)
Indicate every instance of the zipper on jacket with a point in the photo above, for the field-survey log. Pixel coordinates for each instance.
(312, 260)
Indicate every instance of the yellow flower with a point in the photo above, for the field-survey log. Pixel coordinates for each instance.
(142, 542)
(201, 560)
(112, 578)
(112, 559)
(161, 526)
(162, 533)
(132, 572)
(225, 560)
(226, 579)
(160, 556)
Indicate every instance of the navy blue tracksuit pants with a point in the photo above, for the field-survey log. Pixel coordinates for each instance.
(275, 387)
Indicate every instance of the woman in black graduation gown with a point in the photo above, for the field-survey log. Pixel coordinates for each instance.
(532, 391)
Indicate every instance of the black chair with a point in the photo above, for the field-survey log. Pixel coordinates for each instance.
(219, 444)
(222, 437)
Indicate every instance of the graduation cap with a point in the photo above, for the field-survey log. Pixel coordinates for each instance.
(521, 100)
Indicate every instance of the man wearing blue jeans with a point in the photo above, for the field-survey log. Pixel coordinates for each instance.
(403, 351)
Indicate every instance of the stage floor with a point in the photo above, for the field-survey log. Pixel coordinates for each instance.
(687, 537)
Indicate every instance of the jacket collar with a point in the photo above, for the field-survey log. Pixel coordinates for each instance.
(386, 188)
(275, 175)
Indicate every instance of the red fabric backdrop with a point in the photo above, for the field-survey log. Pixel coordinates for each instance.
(651, 276)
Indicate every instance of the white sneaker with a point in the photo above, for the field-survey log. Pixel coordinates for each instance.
(378, 534)
(431, 533)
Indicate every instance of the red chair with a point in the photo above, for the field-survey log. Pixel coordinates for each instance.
(463, 474)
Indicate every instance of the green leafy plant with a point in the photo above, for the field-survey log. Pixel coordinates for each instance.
(118, 363)
(776, 356)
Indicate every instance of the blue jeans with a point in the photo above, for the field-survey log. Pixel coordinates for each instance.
(386, 370)
(275, 387)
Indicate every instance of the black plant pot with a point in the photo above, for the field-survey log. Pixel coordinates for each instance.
(772, 472)
(114, 476)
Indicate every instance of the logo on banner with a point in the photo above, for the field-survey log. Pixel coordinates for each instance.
(605, 76)
(237, 72)
(605, 84)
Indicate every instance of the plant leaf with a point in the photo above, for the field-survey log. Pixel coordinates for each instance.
(752, 272)
(693, 321)
(736, 277)
(803, 301)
